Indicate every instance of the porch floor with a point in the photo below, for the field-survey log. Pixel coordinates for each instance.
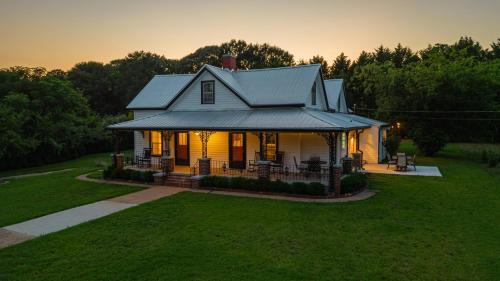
(427, 171)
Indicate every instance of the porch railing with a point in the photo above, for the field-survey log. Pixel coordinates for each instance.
(284, 172)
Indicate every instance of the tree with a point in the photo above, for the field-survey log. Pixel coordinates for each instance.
(324, 65)
(341, 67)
(494, 53)
(382, 54)
(42, 119)
(403, 55)
(96, 81)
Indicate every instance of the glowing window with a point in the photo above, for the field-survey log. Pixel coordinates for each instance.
(156, 143)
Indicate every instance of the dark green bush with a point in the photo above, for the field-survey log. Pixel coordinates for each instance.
(353, 182)
(484, 156)
(128, 174)
(493, 162)
(429, 141)
(263, 185)
(392, 142)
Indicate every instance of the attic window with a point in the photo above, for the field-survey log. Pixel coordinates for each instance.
(207, 92)
(313, 94)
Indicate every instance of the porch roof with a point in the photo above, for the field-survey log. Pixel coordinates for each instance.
(275, 119)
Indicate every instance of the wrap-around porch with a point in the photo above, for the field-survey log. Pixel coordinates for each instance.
(292, 156)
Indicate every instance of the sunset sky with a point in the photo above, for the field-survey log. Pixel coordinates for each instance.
(60, 33)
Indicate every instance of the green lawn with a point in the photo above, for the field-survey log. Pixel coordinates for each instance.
(27, 198)
(415, 228)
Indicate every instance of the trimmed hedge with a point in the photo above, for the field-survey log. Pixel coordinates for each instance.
(257, 185)
(353, 182)
(128, 174)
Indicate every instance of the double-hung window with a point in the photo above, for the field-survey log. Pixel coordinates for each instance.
(207, 92)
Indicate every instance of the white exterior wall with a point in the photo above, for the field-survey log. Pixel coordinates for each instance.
(253, 145)
(369, 144)
(225, 99)
(141, 140)
(313, 145)
(217, 147)
(320, 96)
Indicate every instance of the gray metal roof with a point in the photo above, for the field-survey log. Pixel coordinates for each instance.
(271, 86)
(333, 88)
(363, 119)
(288, 119)
(160, 91)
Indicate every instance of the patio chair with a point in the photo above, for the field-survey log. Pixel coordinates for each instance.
(314, 164)
(390, 161)
(145, 158)
(252, 164)
(301, 168)
(411, 162)
(401, 164)
(277, 164)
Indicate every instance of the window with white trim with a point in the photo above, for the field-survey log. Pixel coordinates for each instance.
(207, 92)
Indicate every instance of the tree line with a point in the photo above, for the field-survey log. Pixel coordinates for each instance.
(439, 94)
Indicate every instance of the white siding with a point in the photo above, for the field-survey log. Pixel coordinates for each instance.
(225, 99)
(290, 144)
(342, 101)
(253, 146)
(313, 145)
(369, 144)
(217, 147)
(141, 140)
(320, 96)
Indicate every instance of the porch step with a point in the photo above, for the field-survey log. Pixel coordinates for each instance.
(181, 181)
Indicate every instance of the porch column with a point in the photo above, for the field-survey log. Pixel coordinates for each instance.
(167, 161)
(204, 161)
(118, 157)
(334, 171)
(262, 146)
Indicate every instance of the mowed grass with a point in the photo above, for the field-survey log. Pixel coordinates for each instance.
(415, 228)
(26, 198)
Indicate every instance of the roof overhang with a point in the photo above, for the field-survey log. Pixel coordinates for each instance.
(262, 119)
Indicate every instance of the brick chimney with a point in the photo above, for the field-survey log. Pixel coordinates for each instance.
(229, 62)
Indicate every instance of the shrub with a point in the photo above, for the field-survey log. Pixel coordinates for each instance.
(429, 141)
(484, 156)
(391, 143)
(493, 162)
(263, 185)
(128, 174)
(353, 182)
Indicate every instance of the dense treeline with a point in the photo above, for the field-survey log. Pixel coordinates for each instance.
(442, 93)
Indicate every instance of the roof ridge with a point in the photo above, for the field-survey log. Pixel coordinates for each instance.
(176, 74)
(278, 68)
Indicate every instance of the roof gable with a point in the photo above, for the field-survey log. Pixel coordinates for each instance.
(335, 92)
(282, 86)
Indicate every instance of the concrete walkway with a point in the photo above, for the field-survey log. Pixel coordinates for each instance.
(20, 232)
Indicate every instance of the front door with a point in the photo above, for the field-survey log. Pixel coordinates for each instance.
(237, 155)
(182, 148)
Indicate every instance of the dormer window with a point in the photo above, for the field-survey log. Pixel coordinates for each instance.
(208, 92)
(313, 94)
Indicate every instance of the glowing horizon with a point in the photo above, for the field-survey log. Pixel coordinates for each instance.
(59, 34)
